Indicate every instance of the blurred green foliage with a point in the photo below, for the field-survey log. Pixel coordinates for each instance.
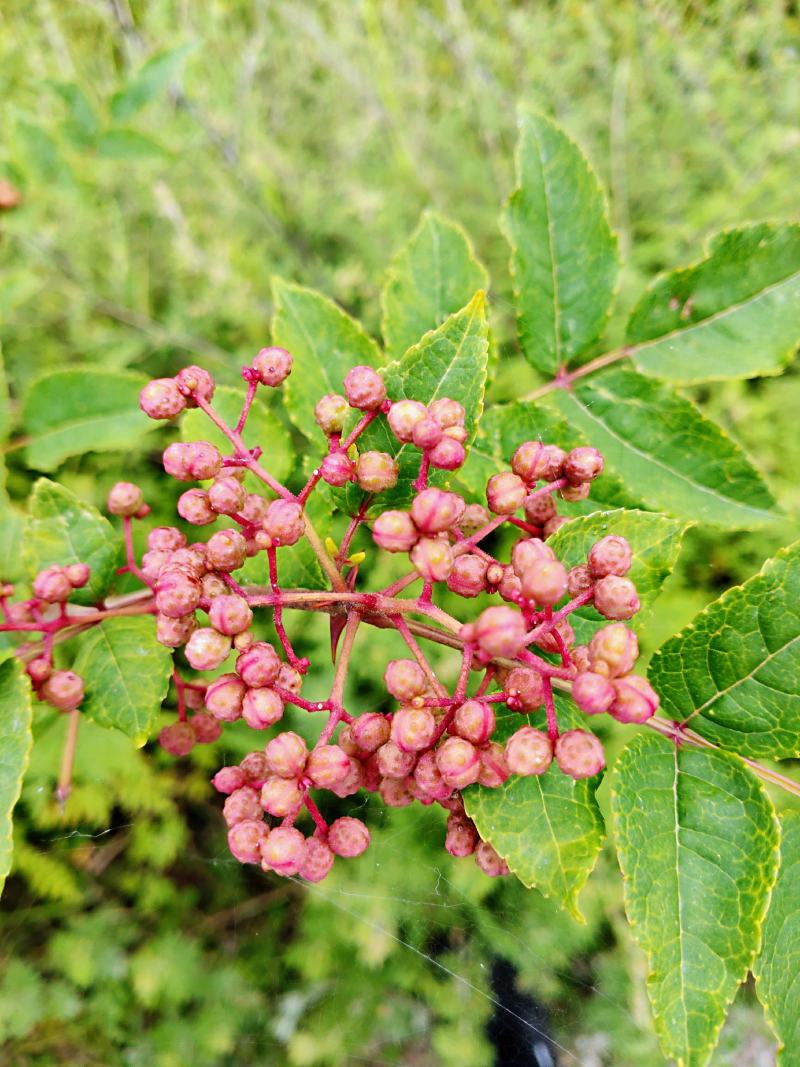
(171, 159)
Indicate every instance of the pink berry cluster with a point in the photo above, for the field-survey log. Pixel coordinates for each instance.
(435, 741)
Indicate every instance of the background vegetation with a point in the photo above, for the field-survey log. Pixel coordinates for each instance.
(171, 158)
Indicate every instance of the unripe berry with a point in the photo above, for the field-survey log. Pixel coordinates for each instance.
(428, 777)
(635, 700)
(224, 697)
(194, 700)
(256, 769)
(165, 539)
(19, 613)
(432, 558)
(404, 679)
(124, 498)
(500, 631)
(280, 796)
(284, 522)
(528, 751)
(52, 585)
(196, 461)
(468, 576)
(273, 366)
(538, 508)
(77, 574)
(524, 689)
(327, 766)
(494, 767)
(528, 552)
(213, 586)
(242, 804)
(616, 647)
(206, 649)
(254, 508)
(545, 582)
(578, 580)
(331, 414)
(394, 792)
(161, 399)
(575, 492)
(458, 433)
(403, 416)
(290, 679)
(259, 665)
(581, 661)
(370, 731)
(226, 551)
(413, 729)
(364, 388)
(579, 754)
(610, 555)
(447, 412)
(549, 641)
(474, 517)
(459, 762)
(206, 728)
(510, 587)
(194, 382)
(376, 471)
(593, 693)
(177, 739)
(395, 531)
(489, 861)
(337, 469)
(227, 495)
(462, 837)
(282, 850)
(393, 762)
(427, 433)
(582, 465)
(316, 861)
(174, 632)
(39, 670)
(348, 837)
(191, 559)
(554, 525)
(153, 562)
(177, 593)
(474, 721)
(63, 689)
(262, 708)
(616, 598)
(244, 840)
(352, 781)
(535, 462)
(230, 614)
(287, 754)
(448, 455)
(505, 493)
(229, 779)
(436, 510)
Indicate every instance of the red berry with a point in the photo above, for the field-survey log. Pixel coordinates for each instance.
(244, 840)
(489, 861)
(376, 471)
(582, 465)
(474, 721)
(52, 585)
(262, 708)
(635, 700)
(468, 576)
(287, 754)
(177, 593)
(124, 498)
(273, 366)
(413, 729)
(227, 495)
(194, 382)
(224, 697)
(207, 649)
(593, 693)
(395, 531)
(610, 555)
(528, 552)
(370, 731)
(616, 598)
(337, 469)
(174, 632)
(206, 728)
(229, 779)
(432, 558)
(448, 455)
(427, 433)
(165, 539)
(524, 689)
(316, 861)
(500, 631)
(404, 679)
(282, 850)
(259, 665)
(230, 614)
(63, 689)
(505, 493)
(448, 413)
(331, 414)
(284, 522)
(462, 837)
(328, 766)
(242, 804)
(528, 751)
(539, 508)
(613, 650)
(435, 510)
(579, 754)
(364, 388)
(161, 399)
(226, 550)
(348, 837)
(544, 582)
(393, 762)
(403, 416)
(458, 762)
(281, 796)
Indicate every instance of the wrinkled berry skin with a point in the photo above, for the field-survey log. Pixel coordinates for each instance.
(207, 649)
(436, 510)
(528, 751)
(124, 499)
(364, 388)
(63, 689)
(194, 506)
(610, 555)
(403, 416)
(489, 861)
(613, 650)
(616, 598)
(348, 837)
(413, 729)
(262, 708)
(273, 366)
(404, 679)
(328, 766)
(259, 665)
(395, 531)
(593, 693)
(242, 804)
(230, 614)
(178, 739)
(505, 493)
(582, 465)
(287, 754)
(284, 522)
(524, 689)
(52, 585)
(282, 850)
(161, 399)
(195, 462)
(544, 582)
(468, 576)
(337, 469)
(432, 558)
(316, 861)
(579, 754)
(448, 455)
(500, 631)
(474, 721)
(244, 840)
(331, 414)
(459, 762)
(376, 472)
(635, 700)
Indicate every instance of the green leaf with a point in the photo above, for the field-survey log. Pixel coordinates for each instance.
(655, 541)
(265, 428)
(448, 362)
(82, 409)
(778, 965)
(12, 531)
(325, 343)
(735, 314)
(548, 828)
(563, 253)
(503, 427)
(5, 415)
(733, 673)
(122, 144)
(126, 673)
(669, 456)
(63, 530)
(432, 276)
(15, 746)
(150, 80)
(697, 841)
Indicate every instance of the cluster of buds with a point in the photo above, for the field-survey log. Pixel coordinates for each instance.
(433, 743)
